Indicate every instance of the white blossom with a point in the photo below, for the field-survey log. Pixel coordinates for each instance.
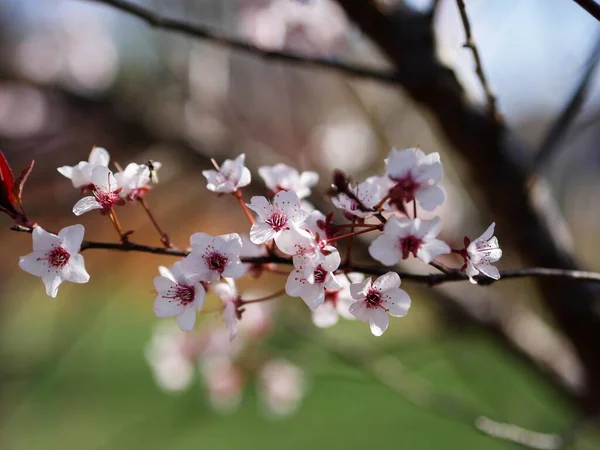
(404, 236)
(231, 176)
(376, 300)
(311, 287)
(214, 257)
(81, 174)
(415, 176)
(282, 386)
(179, 293)
(481, 253)
(282, 177)
(105, 192)
(368, 195)
(56, 258)
(166, 353)
(337, 302)
(224, 382)
(228, 294)
(135, 180)
(283, 216)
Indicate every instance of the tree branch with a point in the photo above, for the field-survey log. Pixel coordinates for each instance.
(433, 279)
(179, 26)
(561, 124)
(591, 7)
(470, 43)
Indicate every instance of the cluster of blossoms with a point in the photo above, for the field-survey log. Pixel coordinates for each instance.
(224, 367)
(285, 230)
(284, 225)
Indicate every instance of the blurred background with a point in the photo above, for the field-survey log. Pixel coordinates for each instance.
(94, 369)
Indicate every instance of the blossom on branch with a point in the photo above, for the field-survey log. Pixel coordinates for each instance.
(311, 287)
(231, 176)
(359, 201)
(81, 174)
(402, 237)
(228, 294)
(284, 215)
(337, 302)
(179, 293)
(214, 257)
(414, 177)
(282, 177)
(56, 258)
(105, 192)
(378, 299)
(480, 254)
(135, 180)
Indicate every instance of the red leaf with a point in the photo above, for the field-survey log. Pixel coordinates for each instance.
(6, 176)
(17, 190)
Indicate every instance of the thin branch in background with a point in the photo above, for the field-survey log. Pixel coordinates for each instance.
(388, 371)
(432, 279)
(591, 7)
(470, 43)
(166, 23)
(562, 123)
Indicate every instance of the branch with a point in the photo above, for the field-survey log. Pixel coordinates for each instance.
(179, 26)
(432, 279)
(591, 7)
(561, 124)
(470, 43)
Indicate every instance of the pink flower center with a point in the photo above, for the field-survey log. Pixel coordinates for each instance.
(181, 293)
(216, 261)
(320, 274)
(373, 298)
(106, 199)
(277, 221)
(404, 189)
(408, 245)
(58, 257)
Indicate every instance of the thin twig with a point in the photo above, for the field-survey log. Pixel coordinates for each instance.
(166, 23)
(591, 7)
(470, 43)
(433, 279)
(561, 124)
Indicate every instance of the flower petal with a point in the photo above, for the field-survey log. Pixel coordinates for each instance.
(187, 319)
(77, 273)
(489, 271)
(261, 206)
(99, 157)
(72, 237)
(397, 302)
(261, 233)
(32, 264)
(167, 307)
(162, 284)
(378, 321)
(52, 281)
(86, 204)
(430, 250)
(44, 241)
(390, 280)
(385, 250)
(430, 197)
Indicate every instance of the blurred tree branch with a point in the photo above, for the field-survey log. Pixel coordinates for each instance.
(562, 123)
(591, 7)
(470, 43)
(499, 163)
(166, 23)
